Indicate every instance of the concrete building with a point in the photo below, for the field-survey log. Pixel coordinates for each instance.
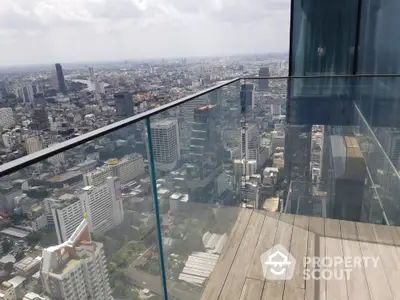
(7, 291)
(98, 176)
(33, 144)
(166, 144)
(76, 269)
(7, 117)
(127, 168)
(247, 96)
(277, 140)
(263, 83)
(67, 214)
(103, 205)
(60, 78)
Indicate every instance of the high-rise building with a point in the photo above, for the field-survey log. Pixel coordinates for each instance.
(60, 78)
(99, 87)
(276, 109)
(67, 214)
(250, 141)
(187, 114)
(40, 118)
(76, 269)
(28, 94)
(91, 73)
(124, 104)
(103, 204)
(7, 117)
(247, 96)
(205, 155)
(33, 144)
(166, 144)
(263, 83)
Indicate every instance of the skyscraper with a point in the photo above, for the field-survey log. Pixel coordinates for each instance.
(60, 78)
(247, 96)
(91, 73)
(124, 104)
(205, 155)
(76, 269)
(263, 83)
(166, 144)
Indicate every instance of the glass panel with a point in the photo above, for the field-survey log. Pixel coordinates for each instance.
(105, 181)
(353, 124)
(198, 162)
(323, 37)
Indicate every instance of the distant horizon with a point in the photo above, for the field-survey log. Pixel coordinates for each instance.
(66, 64)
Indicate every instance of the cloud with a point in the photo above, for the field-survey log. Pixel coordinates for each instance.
(79, 30)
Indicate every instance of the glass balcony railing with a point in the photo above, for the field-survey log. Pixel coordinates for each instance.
(179, 202)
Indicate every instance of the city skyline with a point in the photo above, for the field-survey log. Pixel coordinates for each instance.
(138, 29)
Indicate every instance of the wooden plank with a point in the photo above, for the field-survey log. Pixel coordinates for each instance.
(272, 291)
(284, 230)
(220, 273)
(357, 287)
(336, 288)
(293, 293)
(376, 276)
(390, 256)
(237, 275)
(395, 235)
(298, 248)
(264, 243)
(283, 235)
(388, 251)
(252, 289)
(316, 289)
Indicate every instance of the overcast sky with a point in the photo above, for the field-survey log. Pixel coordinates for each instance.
(48, 31)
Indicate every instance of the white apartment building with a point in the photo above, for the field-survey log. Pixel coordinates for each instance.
(166, 144)
(67, 215)
(103, 204)
(7, 117)
(76, 269)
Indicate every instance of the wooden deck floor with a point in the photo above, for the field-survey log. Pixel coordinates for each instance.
(238, 274)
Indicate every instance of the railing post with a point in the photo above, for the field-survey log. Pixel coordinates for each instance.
(152, 169)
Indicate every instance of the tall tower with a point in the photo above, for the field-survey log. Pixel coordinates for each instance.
(76, 269)
(263, 83)
(60, 78)
(247, 96)
(166, 144)
(205, 155)
(124, 104)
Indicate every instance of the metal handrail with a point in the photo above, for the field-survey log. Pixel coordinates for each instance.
(30, 159)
